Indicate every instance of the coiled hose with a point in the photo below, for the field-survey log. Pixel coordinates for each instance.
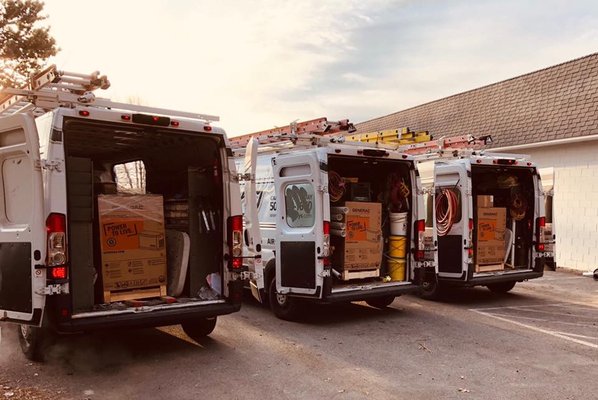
(447, 204)
(336, 186)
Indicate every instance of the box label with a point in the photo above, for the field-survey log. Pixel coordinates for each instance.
(120, 234)
(357, 228)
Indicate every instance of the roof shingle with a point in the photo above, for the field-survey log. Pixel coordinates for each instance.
(555, 102)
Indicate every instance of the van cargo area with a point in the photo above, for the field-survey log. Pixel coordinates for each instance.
(370, 210)
(130, 168)
(503, 213)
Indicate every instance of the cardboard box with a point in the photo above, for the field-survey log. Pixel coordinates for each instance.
(132, 241)
(361, 248)
(485, 201)
(491, 225)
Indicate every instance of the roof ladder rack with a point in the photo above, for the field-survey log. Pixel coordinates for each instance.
(315, 132)
(52, 88)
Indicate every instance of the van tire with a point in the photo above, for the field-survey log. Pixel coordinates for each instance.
(199, 328)
(380, 302)
(283, 306)
(34, 341)
(432, 290)
(502, 287)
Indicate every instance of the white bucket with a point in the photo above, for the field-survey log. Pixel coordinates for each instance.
(398, 223)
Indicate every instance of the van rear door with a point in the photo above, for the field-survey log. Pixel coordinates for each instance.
(299, 224)
(452, 180)
(22, 227)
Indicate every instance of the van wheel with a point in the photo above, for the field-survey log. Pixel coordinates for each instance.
(199, 328)
(380, 302)
(34, 341)
(283, 306)
(431, 290)
(502, 287)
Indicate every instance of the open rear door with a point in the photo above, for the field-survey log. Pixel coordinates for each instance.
(299, 224)
(252, 223)
(452, 250)
(22, 226)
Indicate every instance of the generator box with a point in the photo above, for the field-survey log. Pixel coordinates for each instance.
(491, 225)
(132, 241)
(361, 246)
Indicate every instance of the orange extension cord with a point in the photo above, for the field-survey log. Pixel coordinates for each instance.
(446, 211)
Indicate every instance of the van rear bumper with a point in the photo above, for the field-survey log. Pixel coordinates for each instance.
(357, 295)
(147, 319)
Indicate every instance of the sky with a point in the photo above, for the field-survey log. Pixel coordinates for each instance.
(265, 63)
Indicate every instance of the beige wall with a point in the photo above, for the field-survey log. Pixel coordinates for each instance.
(575, 205)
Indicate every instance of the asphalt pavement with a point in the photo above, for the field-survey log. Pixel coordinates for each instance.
(538, 342)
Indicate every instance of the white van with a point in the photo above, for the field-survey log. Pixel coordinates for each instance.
(53, 169)
(476, 196)
(305, 198)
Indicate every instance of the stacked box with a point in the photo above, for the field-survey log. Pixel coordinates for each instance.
(132, 243)
(490, 248)
(485, 201)
(361, 246)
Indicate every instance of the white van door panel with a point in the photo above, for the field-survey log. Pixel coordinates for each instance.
(452, 252)
(299, 224)
(252, 224)
(22, 226)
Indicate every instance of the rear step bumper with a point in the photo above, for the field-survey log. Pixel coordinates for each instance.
(488, 280)
(147, 319)
(357, 295)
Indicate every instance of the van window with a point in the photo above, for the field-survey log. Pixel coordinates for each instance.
(130, 177)
(17, 185)
(299, 205)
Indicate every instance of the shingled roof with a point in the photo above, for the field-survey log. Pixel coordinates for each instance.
(552, 103)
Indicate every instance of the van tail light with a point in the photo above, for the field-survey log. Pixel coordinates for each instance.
(235, 241)
(420, 229)
(326, 243)
(540, 228)
(57, 249)
(470, 230)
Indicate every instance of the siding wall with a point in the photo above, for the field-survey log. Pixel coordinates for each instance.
(575, 207)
